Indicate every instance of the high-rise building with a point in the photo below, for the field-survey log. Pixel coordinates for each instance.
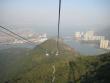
(104, 43)
(89, 35)
(77, 34)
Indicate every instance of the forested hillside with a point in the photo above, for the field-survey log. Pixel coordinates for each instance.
(33, 66)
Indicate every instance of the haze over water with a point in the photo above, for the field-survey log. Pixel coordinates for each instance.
(41, 16)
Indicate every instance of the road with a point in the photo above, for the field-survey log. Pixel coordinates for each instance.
(53, 76)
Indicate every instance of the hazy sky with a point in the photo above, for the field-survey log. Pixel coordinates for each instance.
(43, 14)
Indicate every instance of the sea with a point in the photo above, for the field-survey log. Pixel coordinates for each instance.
(83, 48)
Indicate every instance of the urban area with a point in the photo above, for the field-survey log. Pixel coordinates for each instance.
(36, 38)
(92, 37)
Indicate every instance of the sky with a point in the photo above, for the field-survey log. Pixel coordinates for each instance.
(42, 15)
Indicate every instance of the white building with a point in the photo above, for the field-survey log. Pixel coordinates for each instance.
(98, 38)
(104, 44)
(89, 35)
(77, 34)
(40, 38)
(16, 41)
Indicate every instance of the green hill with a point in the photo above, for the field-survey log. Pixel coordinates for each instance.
(91, 69)
(16, 63)
(33, 66)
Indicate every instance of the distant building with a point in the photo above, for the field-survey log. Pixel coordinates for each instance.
(104, 44)
(43, 38)
(98, 38)
(40, 38)
(89, 35)
(77, 35)
(16, 41)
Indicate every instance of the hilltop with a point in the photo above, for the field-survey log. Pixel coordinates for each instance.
(18, 62)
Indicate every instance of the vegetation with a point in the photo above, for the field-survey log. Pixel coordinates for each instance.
(91, 69)
(33, 66)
